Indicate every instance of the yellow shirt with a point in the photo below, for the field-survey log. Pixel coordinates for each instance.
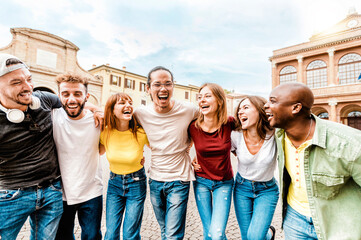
(124, 152)
(294, 163)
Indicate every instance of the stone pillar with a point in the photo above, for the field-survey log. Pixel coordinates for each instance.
(333, 113)
(300, 74)
(275, 76)
(331, 78)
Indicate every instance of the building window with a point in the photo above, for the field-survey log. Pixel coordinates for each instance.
(142, 87)
(186, 95)
(349, 69)
(114, 80)
(128, 83)
(143, 102)
(288, 74)
(316, 74)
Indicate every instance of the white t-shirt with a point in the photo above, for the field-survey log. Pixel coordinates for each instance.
(168, 139)
(259, 167)
(77, 144)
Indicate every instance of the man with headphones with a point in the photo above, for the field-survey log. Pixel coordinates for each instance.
(29, 173)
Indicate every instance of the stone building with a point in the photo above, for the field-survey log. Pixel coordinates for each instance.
(330, 64)
(120, 80)
(48, 55)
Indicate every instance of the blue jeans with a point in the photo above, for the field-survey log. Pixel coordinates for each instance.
(213, 199)
(89, 216)
(125, 193)
(44, 205)
(255, 204)
(169, 200)
(297, 226)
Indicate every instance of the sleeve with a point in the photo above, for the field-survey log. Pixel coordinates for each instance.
(356, 169)
(195, 112)
(49, 99)
(232, 121)
(234, 141)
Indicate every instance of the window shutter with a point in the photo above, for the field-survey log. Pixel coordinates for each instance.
(133, 84)
(125, 82)
(111, 79)
(140, 86)
(119, 81)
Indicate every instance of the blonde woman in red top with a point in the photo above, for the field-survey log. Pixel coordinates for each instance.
(211, 134)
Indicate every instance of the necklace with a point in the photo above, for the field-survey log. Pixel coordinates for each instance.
(308, 134)
(253, 145)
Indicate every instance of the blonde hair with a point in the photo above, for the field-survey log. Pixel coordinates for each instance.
(221, 111)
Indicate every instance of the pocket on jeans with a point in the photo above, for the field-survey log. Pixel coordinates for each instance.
(184, 182)
(8, 195)
(56, 186)
(271, 183)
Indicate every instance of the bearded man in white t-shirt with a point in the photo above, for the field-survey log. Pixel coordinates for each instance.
(165, 123)
(77, 144)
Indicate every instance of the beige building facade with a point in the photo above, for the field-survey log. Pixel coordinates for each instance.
(120, 80)
(48, 55)
(330, 64)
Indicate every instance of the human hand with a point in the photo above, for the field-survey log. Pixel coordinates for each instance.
(195, 164)
(142, 161)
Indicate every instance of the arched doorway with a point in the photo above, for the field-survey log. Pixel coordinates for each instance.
(354, 119)
(351, 116)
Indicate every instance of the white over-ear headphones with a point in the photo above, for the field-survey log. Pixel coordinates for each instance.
(16, 115)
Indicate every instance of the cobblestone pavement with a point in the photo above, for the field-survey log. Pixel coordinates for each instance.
(150, 229)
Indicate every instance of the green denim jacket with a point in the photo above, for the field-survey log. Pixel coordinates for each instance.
(332, 166)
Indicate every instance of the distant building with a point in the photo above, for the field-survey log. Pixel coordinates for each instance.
(330, 64)
(48, 55)
(120, 80)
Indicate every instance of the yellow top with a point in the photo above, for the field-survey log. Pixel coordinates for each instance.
(124, 152)
(294, 163)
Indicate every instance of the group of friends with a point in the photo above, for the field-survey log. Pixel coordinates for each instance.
(50, 168)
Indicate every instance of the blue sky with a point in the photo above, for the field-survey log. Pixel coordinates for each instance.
(227, 42)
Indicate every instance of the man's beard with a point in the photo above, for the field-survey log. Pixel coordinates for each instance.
(76, 114)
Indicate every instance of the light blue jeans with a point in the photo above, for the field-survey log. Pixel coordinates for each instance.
(255, 204)
(44, 205)
(169, 200)
(297, 226)
(125, 193)
(213, 199)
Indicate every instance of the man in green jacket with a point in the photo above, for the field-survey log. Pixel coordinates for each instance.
(320, 168)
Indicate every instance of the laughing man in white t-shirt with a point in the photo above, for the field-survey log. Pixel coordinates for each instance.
(165, 123)
(77, 141)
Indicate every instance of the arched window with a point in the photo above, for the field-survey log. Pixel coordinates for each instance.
(323, 115)
(349, 68)
(316, 74)
(288, 74)
(354, 114)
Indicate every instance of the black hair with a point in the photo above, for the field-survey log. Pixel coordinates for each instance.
(157, 69)
(12, 61)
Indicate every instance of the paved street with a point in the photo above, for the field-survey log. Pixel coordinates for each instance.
(150, 228)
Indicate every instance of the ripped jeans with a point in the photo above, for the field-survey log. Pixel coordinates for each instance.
(213, 200)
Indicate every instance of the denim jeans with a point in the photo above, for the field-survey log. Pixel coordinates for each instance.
(125, 193)
(297, 226)
(255, 204)
(213, 199)
(44, 205)
(89, 216)
(169, 200)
